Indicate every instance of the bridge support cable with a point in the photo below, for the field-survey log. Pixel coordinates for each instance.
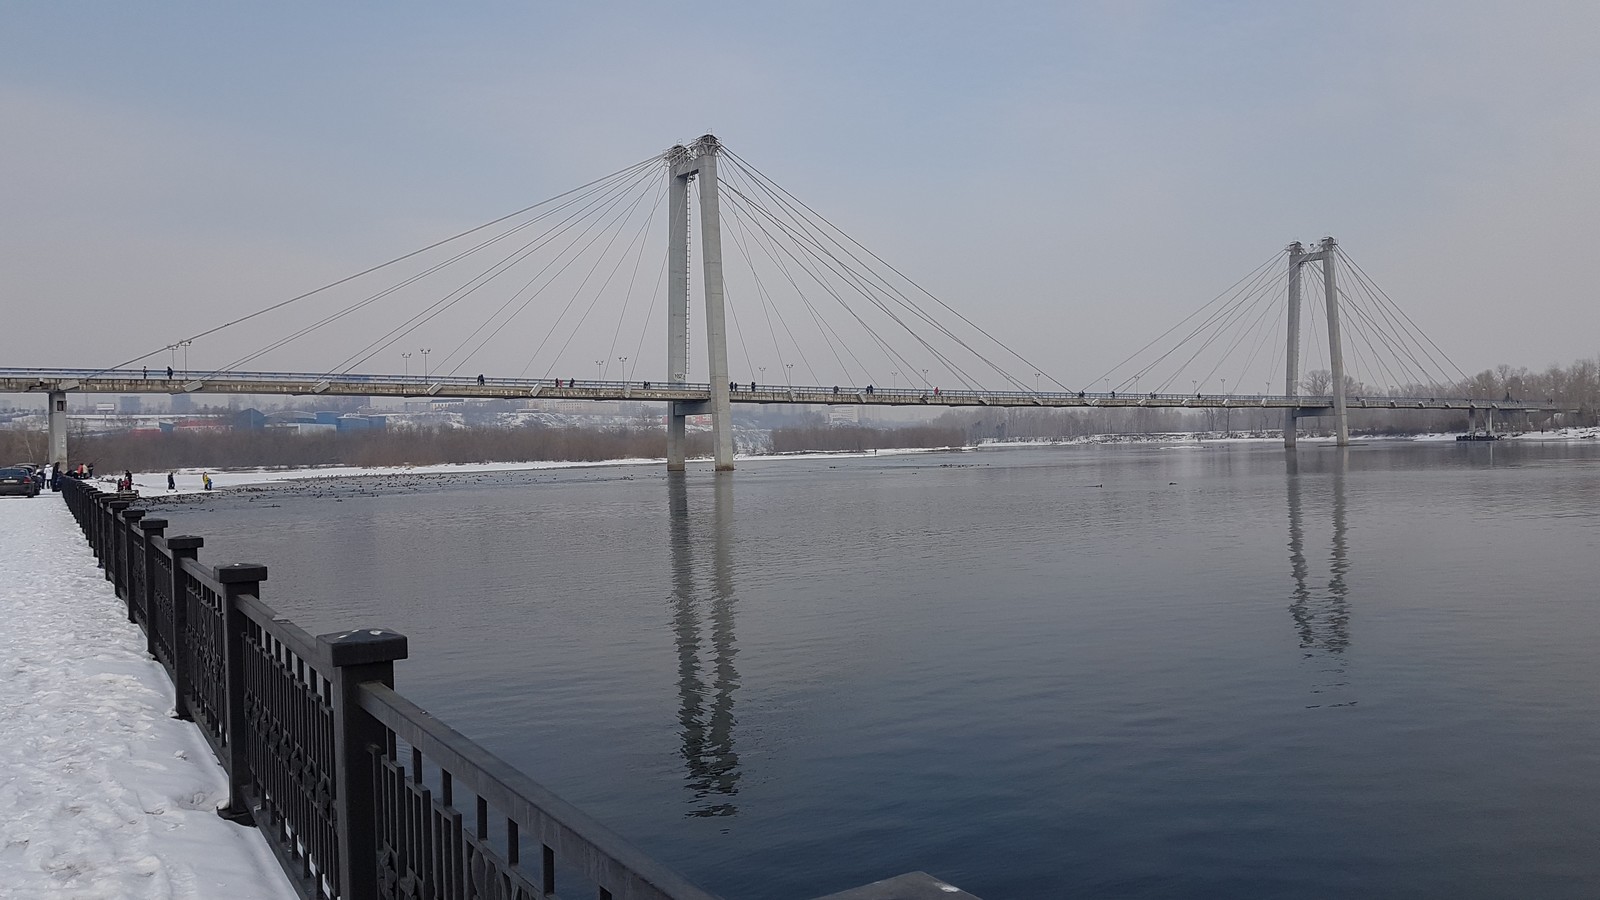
(739, 190)
(815, 237)
(649, 317)
(813, 267)
(586, 201)
(627, 298)
(839, 238)
(1220, 305)
(593, 214)
(769, 306)
(1224, 324)
(1403, 325)
(620, 173)
(818, 262)
(606, 218)
(582, 286)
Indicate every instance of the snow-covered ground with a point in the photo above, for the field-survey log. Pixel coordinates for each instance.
(189, 481)
(103, 794)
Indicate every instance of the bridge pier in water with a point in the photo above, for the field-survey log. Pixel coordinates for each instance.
(683, 164)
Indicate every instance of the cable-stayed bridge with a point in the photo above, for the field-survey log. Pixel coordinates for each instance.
(568, 276)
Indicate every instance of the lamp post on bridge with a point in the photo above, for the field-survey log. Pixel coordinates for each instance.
(763, 371)
(894, 380)
(924, 379)
(185, 346)
(1036, 382)
(597, 364)
(788, 377)
(406, 358)
(1227, 412)
(622, 367)
(425, 351)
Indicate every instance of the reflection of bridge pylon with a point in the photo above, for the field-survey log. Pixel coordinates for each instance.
(1322, 618)
(705, 712)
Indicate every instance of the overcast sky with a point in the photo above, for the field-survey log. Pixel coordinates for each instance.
(1073, 176)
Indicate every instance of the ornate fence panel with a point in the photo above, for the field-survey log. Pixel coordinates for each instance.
(202, 648)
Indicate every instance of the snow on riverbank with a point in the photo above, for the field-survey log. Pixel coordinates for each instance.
(154, 484)
(104, 794)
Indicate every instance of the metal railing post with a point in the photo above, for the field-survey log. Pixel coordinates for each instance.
(151, 528)
(110, 561)
(128, 529)
(236, 579)
(358, 656)
(182, 546)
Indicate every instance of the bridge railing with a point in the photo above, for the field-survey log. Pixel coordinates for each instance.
(359, 793)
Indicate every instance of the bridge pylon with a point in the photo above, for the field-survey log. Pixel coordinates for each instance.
(683, 164)
(1299, 256)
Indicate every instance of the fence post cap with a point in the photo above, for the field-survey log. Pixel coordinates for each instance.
(152, 523)
(236, 573)
(133, 515)
(363, 645)
(185, 542)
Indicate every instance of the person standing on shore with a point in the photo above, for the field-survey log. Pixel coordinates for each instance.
(205, 480)
(172, 482)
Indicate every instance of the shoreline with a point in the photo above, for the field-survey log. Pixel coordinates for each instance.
(153, 484)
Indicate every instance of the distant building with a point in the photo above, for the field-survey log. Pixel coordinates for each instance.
(129, 406)
(249, 419)
(182, 403)
(844, 415)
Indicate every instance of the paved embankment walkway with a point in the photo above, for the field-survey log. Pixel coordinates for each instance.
(102, 793)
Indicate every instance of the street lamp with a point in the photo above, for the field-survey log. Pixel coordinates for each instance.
(185, 346)
(924, 379)
(1036, 382)
(1196, 383)
(788, 377)
(1227, 411)
(622, 366)
(407, 358)
(894, 380)
(425, 351)
(597, 364)
(763, 371)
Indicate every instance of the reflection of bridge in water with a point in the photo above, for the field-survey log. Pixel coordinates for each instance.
(1321, 613)
(702, 624)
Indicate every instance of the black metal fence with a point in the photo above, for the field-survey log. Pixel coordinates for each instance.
(360, 793)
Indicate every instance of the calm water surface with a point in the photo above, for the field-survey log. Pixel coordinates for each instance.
(1175, 672)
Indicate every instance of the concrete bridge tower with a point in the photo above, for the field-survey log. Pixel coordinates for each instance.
(1299, 256)
(683, 164)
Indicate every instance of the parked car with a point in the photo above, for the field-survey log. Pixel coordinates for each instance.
(20, 481)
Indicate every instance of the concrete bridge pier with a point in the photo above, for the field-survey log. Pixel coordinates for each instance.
(58, 430)
(683, 165)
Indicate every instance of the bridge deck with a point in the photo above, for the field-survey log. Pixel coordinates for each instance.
(15, 380)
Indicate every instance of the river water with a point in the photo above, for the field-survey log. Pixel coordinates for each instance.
(1129, 671)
